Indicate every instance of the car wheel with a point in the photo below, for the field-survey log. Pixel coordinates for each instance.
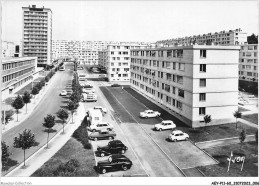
(124, 167)
(103, 171)
(126, 148)
(102, 154)
(160, 129)
(146, 117)
(187, 139)
(95, 139)
(122, 151)
(110, 138)
(94, 130)
(174, 140)
(158, 116)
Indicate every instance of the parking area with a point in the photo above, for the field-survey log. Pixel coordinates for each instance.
(184, 153)
(137, 168)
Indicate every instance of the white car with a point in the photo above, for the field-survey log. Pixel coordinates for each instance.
(63, 93)
(178, 135)
(149, 114)
(104, 110)
(165, 125)
(87, 91)
(101, 126)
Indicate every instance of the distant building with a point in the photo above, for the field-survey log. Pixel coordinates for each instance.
(189, 81)
(37, 34)
(17, 72)
(231, 37)
(116, 60)
(248, 62)
(8, 49)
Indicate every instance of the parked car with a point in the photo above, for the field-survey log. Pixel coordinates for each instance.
(63, 93)
(102, 109)
(115, 85)
(101, 126)
(114, 162)
(103, 134)
(149, 114)
(165, 125)
(88, 91)
(113, 147)
(178, 135)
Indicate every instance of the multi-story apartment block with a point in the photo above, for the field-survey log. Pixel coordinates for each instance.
(116, 60)
(191, 81)
(248, 62)
(16, 73)
(8, 49)
(37, 33)
(231, 37)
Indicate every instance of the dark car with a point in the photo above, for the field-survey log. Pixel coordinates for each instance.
(113, 163)
(102, 134)
(113, 147)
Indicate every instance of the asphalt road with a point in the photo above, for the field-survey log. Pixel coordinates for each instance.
(50, 104)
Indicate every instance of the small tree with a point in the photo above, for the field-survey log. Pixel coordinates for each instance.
(34, 92)
(8, 115)
(49, 122)
(5, 153)
(25, 141)
(63, 115)
(207, 119)
(242, 137)
(71, 107)
(26, 99)
(237, 114)
(18, 104)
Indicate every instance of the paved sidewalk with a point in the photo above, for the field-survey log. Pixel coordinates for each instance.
(30, 108)
(35, 161)
(247, 123)
(223, 142)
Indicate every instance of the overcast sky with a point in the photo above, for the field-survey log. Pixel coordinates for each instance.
(134, 20)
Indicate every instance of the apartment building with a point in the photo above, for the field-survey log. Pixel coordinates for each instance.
(231, 37)
(190, 81)
(17, 72)
(8, 49)
(37, 34)
(248, 62)
(116, 60)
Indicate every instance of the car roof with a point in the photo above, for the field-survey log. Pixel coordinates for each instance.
(97, 107)
(166, 121)
(177, 131)
(148, 110)
(115, 141)
(118, 156)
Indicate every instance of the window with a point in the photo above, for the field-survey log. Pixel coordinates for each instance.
(181, 66)
(181, 93)
(112, 75)
(202, 82)
(112, 53)
(162, 85)
(174, 65)
(179, 105)
(249, 73)
(202, 67)
(202, 96)
(179, 53)
(167, 88)
(173, 78)
(168, 100)
(242, 60)
(202, 53)
(255, 54)
(255, 47)
(169, 53)
(112, 64)
(173, 90)
(202, 111)
(173, 102)
(174, 52)
(168, 64)
(180, 79)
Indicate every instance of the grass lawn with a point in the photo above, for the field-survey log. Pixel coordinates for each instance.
(241, 109)
(222, 153)
(251, 117)
(72, 150)
(28, 87)
(197, 134)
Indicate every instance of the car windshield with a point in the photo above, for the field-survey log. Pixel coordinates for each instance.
(110, 159)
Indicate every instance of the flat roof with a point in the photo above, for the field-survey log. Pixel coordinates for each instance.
(12, 59)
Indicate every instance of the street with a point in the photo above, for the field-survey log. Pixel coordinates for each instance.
(50, 104)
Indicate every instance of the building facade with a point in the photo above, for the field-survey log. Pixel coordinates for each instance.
(37, 34)
(8, 49)
(190, 81)
(16, 73)
(116, 60)
(248, 62)
(231, 37)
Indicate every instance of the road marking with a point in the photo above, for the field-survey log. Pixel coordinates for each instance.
(107, 105)
(150, 137)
